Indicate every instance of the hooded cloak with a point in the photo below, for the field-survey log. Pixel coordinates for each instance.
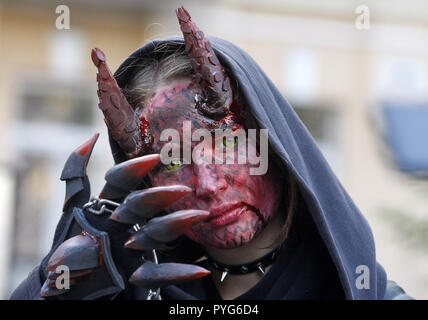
(330, 241)
(343, 229)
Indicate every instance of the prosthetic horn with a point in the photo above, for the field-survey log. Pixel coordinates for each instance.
(207, 70)
(131, 132)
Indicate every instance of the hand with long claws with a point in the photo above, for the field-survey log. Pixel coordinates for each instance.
(106, 244)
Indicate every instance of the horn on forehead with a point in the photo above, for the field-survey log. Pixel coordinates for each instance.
(131, 132)
(206, 69)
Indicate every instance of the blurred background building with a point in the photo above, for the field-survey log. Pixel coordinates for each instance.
(357, 76)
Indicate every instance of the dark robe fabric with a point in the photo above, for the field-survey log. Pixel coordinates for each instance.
(303, 270)
(329, 241)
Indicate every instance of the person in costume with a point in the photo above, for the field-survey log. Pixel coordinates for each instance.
(187, 229)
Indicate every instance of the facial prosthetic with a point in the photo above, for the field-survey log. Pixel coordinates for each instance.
(240, 204)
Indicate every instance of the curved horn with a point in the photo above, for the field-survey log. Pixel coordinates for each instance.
(131, 132)
(207, 70)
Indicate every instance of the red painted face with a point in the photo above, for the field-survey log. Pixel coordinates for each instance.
(240, 204)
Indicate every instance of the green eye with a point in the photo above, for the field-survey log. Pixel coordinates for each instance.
(229, 141)
(173, 165)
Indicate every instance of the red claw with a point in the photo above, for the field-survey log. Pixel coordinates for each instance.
(159, 231)
(141, 241)
(77, 253)
(129, 174)
(73, 274)
(53, 284)
(87, 146)
(47, 291)
(147, 203)
(151, 275)
(169, 227)
(77, 162)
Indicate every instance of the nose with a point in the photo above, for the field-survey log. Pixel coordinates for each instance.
(209, 180)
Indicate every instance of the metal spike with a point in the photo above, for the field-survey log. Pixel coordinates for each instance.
(203, 258)
(224, 275)
(261, 268)
(244, 269)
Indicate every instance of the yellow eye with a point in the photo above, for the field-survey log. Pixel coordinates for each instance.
(229, 141)
(173, 165)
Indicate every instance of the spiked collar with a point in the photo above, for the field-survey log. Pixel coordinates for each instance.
(258, 265)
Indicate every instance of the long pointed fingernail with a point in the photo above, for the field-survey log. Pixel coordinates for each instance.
(47, 291)
(141, 241)
(53, 284)
(77, 253)
(147, 203)
(111, 192)
(75, 166)
(169, 227)
(129, 174)
(151, 275)
(73, 274)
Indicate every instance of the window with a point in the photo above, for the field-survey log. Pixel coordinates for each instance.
(50, 101)
(406, 132)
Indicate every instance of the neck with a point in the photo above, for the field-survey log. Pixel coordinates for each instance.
(234, 285)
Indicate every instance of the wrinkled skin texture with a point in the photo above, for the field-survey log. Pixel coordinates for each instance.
(253, 198)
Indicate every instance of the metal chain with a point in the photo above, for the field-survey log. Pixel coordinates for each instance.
(101, 204)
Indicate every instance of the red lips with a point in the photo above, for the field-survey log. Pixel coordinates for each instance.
(227, 213)
(220, 210)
